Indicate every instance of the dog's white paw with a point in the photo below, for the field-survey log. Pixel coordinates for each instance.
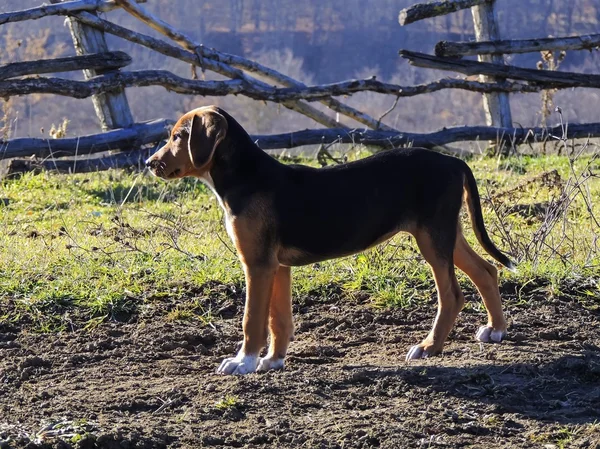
(487, 334)
(417, 352)
(270, 363)
(240, 364)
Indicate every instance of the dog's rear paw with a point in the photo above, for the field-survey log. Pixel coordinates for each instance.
(270, 363)
(487, 334)
(417, 352)
(240, 364)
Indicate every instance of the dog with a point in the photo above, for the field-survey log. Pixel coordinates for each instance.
(279, 216)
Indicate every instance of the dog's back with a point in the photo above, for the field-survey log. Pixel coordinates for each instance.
(343, 209)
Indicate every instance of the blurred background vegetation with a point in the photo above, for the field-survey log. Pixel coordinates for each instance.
(315, 41)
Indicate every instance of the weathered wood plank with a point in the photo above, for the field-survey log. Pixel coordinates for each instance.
(422, 11)
(505, 46)
(174, 83)
(495, 104)
(107, 60)
(59, 9)
(117, 139)
(554, 78)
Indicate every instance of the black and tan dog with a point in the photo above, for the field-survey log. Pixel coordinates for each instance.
(280, 216)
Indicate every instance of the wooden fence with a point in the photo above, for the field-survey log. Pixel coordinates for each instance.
(106, 82)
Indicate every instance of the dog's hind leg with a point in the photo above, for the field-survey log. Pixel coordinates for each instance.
(436, 247)
(485, 277)
(281, 325)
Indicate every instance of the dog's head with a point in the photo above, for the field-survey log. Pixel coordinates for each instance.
(191, 146)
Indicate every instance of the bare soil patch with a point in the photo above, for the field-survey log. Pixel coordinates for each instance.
(151, 383)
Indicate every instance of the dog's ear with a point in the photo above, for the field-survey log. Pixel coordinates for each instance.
(206, 132)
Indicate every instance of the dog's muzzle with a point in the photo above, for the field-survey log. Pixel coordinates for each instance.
(155, 166)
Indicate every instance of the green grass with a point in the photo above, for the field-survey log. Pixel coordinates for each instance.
(228, 402)
(77, 250)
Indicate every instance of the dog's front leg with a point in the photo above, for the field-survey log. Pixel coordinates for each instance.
(259, 286)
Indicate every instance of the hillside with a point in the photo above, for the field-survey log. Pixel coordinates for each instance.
(317, 42)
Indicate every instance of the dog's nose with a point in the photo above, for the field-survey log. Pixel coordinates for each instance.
(149, 162)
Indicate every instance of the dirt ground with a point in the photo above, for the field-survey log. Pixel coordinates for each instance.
(150, 383)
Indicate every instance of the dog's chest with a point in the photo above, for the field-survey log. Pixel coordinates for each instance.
(207, 180)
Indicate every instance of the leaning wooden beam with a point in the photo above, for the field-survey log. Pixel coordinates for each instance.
(587, 42)
(107, 60)
(156, 131)
(422, 11)
(133, 137)
(187, 43)
(179, 53)
(245, 64)
(563, 79)
(174, 83)
(266, 72)
(160, 46)
(60, 9)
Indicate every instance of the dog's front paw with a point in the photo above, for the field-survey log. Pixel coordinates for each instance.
(417, 352)
(270, 363)
(240, 364)
(487, 334)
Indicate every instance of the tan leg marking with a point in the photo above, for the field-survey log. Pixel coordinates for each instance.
(281, 325)
(259, 285)
(450, 299)
(485, 277)
(260, 266)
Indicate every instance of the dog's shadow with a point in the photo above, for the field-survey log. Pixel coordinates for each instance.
(564, 391)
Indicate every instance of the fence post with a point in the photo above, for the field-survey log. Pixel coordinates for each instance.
(495, 104)
(111, 108)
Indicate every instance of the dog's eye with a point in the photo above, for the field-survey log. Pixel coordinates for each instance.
(176, 136)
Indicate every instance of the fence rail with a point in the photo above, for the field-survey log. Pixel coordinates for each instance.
(59, 9)
(547, 78)
(587, 42)
(143, 78)
(107, 60)
(156, 130)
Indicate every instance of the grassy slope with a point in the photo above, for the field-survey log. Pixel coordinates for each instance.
(77, 250)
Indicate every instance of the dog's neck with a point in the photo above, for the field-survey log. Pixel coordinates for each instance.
(239, 166)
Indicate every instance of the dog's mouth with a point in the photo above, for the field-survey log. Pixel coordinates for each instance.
(174, 174)
(159, 169)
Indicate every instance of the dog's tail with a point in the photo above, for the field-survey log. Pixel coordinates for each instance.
(474, 207)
